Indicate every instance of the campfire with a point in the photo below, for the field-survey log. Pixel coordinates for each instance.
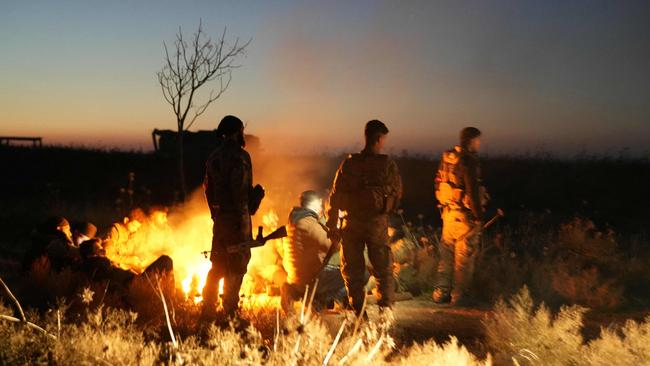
(183, 235)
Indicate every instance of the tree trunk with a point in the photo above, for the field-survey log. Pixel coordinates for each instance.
(181, 167)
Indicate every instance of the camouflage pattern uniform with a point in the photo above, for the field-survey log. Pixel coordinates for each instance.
(368, 187)
(462, 211)
(228, 186)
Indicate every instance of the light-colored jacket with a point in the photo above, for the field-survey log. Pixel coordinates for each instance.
(306, 248)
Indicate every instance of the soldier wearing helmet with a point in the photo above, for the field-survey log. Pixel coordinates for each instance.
(232, 199)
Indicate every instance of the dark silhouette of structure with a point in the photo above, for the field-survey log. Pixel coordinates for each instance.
(36, 141)
(197, 146)
(202, 141)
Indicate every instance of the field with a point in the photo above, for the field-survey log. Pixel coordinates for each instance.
(575, 238)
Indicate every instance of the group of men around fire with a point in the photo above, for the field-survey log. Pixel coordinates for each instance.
(336, 254)
(57, 244)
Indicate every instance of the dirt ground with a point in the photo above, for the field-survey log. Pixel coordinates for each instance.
(420, 319)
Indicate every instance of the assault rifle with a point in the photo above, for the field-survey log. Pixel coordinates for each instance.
(259, 241)
(478, 229)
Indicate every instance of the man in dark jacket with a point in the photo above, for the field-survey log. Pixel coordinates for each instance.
(461, 200)
(368, 188)
(52, 242)
(60, 250)
(232, 199)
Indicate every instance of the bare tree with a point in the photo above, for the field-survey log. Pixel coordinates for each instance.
(189, 65)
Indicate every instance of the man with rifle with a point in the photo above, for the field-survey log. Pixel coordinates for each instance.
(309, 255)
(367, 188)
(232, 199)
(462, 200)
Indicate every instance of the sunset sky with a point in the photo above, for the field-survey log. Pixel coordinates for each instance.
(560, 76)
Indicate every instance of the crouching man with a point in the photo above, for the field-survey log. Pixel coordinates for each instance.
(309, 255)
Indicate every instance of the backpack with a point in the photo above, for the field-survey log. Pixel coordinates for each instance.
(449, 186)
(369, 185)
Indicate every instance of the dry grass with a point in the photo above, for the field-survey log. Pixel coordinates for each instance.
(518, 332)
(522, 334)
(101, 335)
(580, 265)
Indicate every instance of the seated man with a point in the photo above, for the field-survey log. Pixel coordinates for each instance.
(41, 237)
(116, 242)
(60, 250)
(99, 268)
(310, 254)
(83, 231)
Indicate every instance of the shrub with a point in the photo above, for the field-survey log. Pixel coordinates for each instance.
(450, 353)
(527, 335)
(521, 334)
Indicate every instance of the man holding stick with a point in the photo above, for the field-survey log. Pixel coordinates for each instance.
(461, 199)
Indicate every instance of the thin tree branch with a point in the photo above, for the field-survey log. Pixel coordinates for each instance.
(15, 301)
(23, 319)
(28, 324)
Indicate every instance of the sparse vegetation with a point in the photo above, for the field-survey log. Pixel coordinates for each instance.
(519, 333)
(546, 243)
(524, 334)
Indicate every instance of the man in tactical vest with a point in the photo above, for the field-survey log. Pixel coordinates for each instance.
(232, 199)
(461, 200)
(367, 188)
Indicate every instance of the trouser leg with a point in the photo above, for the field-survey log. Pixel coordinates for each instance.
(331, 286)
(211, 288)
(231, 286)
(466, 250)
(229, 266)
(442, 288)
(381, 259)
(164, 264)
(445, 266)
(353, 266)
(289, 293)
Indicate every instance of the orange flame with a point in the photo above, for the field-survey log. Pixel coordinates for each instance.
(183, 237)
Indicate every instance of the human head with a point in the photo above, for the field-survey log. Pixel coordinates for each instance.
(470, 139)
(311, 200)
(376, 132)
(231, 128)
(158, 216)
(134, 220)
(82, 232)
(61, 224)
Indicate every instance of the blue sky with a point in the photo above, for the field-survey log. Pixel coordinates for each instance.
(563, 76)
